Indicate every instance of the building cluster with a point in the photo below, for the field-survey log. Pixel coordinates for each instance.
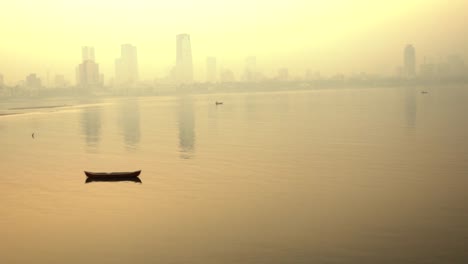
(450, 68)
(127, 79)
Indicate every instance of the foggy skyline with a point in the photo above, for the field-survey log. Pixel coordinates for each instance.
(333, 37)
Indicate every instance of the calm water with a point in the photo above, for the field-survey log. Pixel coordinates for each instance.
(329, 176)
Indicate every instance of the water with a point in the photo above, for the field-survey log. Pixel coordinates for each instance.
(325, 176)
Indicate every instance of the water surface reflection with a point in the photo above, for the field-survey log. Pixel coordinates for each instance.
(129, 122)
(410, 107)
(186, 120)
(91, 126)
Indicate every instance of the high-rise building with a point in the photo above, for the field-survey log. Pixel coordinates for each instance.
(211, 69)
(88, 71)
(184, 66)
(409, 58)
(87, 53)
(126, 67)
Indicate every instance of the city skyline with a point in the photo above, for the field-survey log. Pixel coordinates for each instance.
(334, 37)
(87, 73)
(126, 70)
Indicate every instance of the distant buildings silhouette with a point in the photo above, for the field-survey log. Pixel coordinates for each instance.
(33, 82)
(126, 67)
(227, 76)
(60, 82)
(87, 73)
(180, 78)
(184, 64)
(250, 71)
(409, 59)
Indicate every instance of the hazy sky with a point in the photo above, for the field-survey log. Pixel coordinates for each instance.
(327, 36)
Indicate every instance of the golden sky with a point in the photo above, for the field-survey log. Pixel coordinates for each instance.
(328, 36)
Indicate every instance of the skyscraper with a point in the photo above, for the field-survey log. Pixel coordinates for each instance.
(87, 53)
(88, 71)
(211, 69)
(126, 67)
(409, 58)
(184, 66)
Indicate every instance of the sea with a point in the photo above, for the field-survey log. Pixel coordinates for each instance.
(346, 175)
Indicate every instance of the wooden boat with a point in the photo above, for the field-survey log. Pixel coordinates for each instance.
(127, 179)
(112, 175)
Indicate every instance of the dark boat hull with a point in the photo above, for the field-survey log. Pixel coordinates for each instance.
(112, 175)
(120, 179)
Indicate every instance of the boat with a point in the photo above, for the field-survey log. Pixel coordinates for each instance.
(112, 175)
(127, 179)
(218, 103)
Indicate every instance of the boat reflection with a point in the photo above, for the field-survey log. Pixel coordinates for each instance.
(115, 179)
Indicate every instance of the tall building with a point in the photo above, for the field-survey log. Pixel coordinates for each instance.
(409, 59)
(87, 72)
(126, 67)
(184, 66)
(87, 53)
(211, 69)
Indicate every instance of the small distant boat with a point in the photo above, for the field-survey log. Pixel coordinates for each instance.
(218, 103)
(424, 92)
(112, 175)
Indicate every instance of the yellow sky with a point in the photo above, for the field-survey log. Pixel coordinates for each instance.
(328, 36)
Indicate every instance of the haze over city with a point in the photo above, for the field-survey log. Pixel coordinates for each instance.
(329, 37)
(240, 131)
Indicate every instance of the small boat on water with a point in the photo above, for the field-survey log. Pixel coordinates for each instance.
(112, 175)
(120, 179)
(218, 103)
